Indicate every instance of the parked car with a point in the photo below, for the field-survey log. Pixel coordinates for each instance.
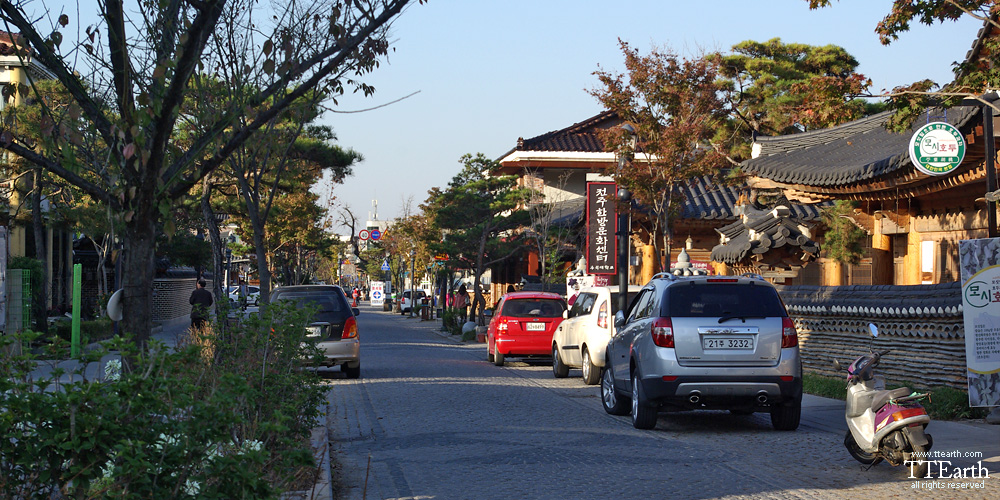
(581, 339)
(405, 303)
(252, 293)
(706, 342)
(523, 325)
(334, 327)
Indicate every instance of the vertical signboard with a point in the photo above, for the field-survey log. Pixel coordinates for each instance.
(601, 222)
(377, 293)
(980, 261)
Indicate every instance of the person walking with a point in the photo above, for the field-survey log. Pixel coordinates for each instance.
(201, 301)
(461, 302)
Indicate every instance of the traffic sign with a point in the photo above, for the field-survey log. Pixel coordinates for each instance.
(385, 265)
(376, 234)
(363, 234)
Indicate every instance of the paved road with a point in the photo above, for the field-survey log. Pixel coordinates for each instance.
(436, 420)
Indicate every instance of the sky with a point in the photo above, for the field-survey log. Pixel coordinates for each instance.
(486, 72)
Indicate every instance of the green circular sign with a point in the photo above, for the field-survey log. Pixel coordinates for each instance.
(937, 148)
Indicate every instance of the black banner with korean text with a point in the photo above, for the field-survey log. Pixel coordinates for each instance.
(601, 223)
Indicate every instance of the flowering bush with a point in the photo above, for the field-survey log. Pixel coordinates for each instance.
(161, 423)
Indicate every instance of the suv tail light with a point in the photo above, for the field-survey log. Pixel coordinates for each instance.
(789, 336)
(602, 315)
(663, 332)
(350, 328)
(502, 325)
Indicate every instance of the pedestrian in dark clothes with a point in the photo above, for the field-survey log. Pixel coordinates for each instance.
(201, 302)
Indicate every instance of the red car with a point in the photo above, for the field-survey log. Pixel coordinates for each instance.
(523, 325)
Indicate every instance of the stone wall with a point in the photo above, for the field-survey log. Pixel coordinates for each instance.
(921, 324)
(171, 297)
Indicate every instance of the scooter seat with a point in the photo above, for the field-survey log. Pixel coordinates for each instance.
(883, 397)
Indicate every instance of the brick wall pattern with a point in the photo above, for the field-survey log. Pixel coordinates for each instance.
(921, 324)
(171, 296)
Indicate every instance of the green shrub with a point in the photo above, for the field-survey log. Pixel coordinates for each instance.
(222, 416)
(827, 387)
(94, 330)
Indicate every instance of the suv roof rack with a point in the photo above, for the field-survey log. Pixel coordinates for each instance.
(753, 276)
(665, 275)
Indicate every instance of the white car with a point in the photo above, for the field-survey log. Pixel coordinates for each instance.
(253, 295)
(405, 304)
(582, 338)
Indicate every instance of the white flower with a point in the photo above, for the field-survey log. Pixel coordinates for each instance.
(192, 487)
(113, 370)
(252, 445)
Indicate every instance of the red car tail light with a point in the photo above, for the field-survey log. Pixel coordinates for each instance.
(602, 315)
(789, 336)
(663, 332)
(350, 328)
(721, 280)
(502, 325)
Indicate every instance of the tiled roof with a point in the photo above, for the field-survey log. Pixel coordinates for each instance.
(850, 153)
(879, 302)
(705, 199)
(579, 137)
(760, 232)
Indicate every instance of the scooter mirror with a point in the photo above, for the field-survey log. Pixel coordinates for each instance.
(873, 329)
(837, 366)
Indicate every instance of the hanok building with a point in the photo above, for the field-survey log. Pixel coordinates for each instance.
(915, 220)
(560, 163)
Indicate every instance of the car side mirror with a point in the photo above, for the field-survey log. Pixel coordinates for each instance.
(356, 311)
(488, 313)
(565, 314)
(619, 319)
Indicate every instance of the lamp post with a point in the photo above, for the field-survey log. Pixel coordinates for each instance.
(413, 279)
(624, 202)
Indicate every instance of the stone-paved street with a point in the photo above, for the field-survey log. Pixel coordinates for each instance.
(436, 420)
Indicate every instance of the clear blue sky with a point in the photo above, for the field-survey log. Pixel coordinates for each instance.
(490, 71)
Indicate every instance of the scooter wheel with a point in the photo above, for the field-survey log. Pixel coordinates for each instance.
(859, 454)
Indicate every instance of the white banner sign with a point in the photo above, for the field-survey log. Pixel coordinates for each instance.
(378, 293)
(981, 310)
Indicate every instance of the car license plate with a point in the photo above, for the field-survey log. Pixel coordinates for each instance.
(314, 331)
(534, 327)
(727, 343)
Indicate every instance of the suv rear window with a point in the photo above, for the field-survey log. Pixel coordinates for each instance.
(322, 301)
(718, 300)
(534, 308)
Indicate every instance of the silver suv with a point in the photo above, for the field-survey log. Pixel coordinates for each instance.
(704, 342)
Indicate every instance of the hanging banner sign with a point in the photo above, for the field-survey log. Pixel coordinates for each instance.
(378, 293)
(980, 260)
(937, 148)
(601, 222)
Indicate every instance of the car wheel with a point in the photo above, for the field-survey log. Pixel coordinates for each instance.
(612, 402)
(643, 415)
(489, 355)
(559, 369)
(498, 358)
(354, 372)
(591, 373)
(786, 418)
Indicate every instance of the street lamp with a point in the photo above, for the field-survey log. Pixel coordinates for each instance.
(624, 202)
(413, 278)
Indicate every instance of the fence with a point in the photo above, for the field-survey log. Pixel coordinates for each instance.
(922, 324)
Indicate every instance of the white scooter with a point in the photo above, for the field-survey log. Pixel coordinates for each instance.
(884, 424)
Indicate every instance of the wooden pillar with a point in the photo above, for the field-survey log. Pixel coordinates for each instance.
(833, 273)
(911, 263)
(882, 266)
(648, 264)
(533, 264)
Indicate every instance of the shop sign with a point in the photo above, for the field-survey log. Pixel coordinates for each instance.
(937, 148)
